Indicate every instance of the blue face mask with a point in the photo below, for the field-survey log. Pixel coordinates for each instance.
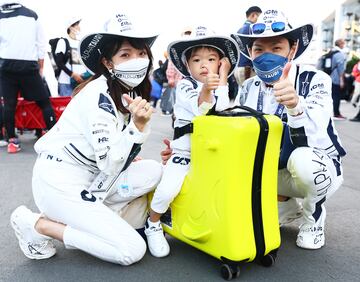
(269, 67)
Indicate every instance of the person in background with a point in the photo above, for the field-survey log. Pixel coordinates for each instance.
(310, 159)
(244, 69)
(3, 141)
(67, 58)
(22, 51)
(156, 89)
(158, 80)
(172, 74)
(337, 77)
(356, 96)
(173, 77)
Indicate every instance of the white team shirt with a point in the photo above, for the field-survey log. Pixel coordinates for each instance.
(314, 88)
(91, 133)
(186, 107)
(21, 35)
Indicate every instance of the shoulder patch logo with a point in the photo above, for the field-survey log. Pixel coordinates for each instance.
(105, 104)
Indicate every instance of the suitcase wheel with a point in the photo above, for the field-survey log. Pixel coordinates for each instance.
(268, 260)
(229, 272)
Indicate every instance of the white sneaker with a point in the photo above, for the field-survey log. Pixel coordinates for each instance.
(158, 246)
(33, 244)
(289, 211)
(3, 143)
(312, 236)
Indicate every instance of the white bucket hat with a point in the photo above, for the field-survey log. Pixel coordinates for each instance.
(71, 20)
(117, 26)
(202, 36)
(8, 6)
(4, 2)
(273, 23)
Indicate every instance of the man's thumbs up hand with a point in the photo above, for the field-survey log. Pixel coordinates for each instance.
(284, 90)
(286, 71)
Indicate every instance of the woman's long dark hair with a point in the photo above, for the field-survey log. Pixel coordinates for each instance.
(115, 87)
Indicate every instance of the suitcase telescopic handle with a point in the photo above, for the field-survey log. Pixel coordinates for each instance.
(237, 111)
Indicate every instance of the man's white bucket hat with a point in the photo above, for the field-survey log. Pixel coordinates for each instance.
(273, 23)
(118, 25)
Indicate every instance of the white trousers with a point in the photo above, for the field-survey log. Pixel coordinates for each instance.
(172, 179)
(104, 232)
(312, 175)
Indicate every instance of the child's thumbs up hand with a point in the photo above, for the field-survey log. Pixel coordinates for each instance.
(212, 80)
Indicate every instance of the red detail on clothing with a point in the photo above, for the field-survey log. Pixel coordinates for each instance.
(356, 72)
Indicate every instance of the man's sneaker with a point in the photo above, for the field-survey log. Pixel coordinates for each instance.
(33, 244)
(312, 236)
(157, 243)
(289, 211)
(13, 146)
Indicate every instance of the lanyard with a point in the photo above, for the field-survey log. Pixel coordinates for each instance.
(260, 104)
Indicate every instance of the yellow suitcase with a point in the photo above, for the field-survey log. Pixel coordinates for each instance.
(227, 206)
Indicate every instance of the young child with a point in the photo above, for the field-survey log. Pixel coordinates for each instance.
(206, 61)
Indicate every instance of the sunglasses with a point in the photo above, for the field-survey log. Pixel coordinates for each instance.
(259, 28)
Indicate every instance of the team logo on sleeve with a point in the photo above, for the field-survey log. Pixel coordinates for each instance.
(305, 79)
(105, 104)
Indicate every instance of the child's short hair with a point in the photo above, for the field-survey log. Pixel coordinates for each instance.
(189, 52)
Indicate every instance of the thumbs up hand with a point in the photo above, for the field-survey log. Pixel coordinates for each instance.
(212, 81)
(284, 90)
(167, 152)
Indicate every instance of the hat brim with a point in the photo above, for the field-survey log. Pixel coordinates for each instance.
(91, 45)
(226, 45)
(302, 34)
(70, 23)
